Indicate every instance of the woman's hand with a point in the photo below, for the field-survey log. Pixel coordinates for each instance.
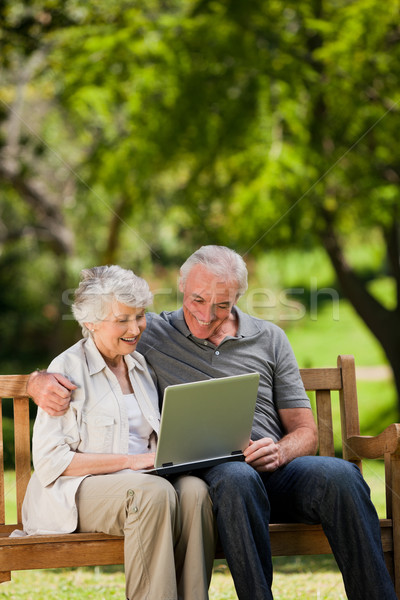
(86, 463)
(138, 462)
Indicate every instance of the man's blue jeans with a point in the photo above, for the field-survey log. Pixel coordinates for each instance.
(310, 489)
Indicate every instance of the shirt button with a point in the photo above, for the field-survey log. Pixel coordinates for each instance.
(206, 343)
(217, 352)
(130, 492)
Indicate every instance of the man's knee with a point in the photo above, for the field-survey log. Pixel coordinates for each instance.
(336, 479)
(339, 472)
(235, 479)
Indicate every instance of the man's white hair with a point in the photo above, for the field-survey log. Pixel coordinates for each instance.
(221, 261)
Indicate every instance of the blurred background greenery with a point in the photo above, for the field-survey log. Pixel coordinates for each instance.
(132, 132)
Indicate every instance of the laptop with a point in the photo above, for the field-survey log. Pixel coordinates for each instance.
(204, 423)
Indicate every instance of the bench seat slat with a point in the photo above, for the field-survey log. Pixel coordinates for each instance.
(90, 549)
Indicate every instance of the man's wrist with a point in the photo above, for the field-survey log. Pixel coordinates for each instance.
(32, 375)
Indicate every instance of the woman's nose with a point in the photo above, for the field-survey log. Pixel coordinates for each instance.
(134, 327)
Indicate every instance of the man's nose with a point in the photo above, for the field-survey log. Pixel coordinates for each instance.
(207, 313)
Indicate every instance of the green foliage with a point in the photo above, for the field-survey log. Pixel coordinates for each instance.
(250, 114)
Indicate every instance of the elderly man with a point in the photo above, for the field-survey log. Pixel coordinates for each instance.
(281, 479)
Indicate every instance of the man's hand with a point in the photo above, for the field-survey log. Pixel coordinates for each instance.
(300, 439)
(263, 455)
(50, 391)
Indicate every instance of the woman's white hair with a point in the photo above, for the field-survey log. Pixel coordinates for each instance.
(101, 286)
(221, 261)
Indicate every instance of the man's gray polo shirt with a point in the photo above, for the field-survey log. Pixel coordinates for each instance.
(177, 357)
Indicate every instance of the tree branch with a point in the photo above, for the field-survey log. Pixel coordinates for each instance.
(49, 214)
(13, 123)
(373, 313)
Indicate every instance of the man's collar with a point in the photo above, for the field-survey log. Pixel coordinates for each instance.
(247, 326)
(178, 321)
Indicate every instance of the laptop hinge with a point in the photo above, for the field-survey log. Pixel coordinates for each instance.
(168, 464)
(236, 452)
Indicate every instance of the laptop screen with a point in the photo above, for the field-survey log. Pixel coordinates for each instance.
(209, 419)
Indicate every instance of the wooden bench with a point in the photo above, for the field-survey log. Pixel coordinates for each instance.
(90, 549)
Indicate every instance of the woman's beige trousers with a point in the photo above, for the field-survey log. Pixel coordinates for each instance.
(168, 527)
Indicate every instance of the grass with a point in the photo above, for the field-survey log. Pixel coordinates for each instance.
(317, 341)
(295, 578)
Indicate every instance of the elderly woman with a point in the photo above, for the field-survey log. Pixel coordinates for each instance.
(89, 463)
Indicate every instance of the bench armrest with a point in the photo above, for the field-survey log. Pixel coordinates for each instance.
(366, 446)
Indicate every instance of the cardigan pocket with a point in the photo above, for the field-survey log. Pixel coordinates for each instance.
(97, 433)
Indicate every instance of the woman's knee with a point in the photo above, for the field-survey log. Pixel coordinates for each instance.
(194, 498)
(155, 496)
(160, 490)
(191, 489)
(106, 502)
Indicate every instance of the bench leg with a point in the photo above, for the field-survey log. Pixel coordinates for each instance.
(389, 564)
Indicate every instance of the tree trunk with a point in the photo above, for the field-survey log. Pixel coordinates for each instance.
(383, 322)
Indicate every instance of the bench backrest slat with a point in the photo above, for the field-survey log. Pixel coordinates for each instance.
(349, 417)
(324, 422)
(2, 491)
(22, 450)
(14, 386)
